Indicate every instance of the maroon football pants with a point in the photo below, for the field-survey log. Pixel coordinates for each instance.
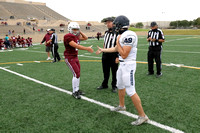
(74, 65)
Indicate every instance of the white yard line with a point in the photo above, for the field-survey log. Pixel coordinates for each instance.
(172, 51)
(154, 123)
(96, 57)
(180, 39)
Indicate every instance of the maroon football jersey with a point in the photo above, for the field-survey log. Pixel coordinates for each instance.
(69, 50)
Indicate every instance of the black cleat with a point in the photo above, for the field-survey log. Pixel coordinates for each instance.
(158, 75)
(81, 92)
(114, 89)
(53, 61)
(148, 74)
(76, 95)
(101, 87)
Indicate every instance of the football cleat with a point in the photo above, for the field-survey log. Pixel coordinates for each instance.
(140, 120)
(118, 108)
(76, 95)
(81, 92)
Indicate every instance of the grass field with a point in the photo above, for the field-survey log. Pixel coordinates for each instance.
(172, 100)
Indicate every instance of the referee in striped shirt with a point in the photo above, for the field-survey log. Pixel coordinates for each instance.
(109, 60)
(155, 39)
(54, 44)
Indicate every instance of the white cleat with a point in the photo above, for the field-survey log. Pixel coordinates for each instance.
(118, 108)
(140, 120)
(48, 58)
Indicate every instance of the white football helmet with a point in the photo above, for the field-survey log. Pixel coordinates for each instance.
(73, 25)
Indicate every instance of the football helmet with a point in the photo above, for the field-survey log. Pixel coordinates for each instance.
(121, 22)
(74, 25)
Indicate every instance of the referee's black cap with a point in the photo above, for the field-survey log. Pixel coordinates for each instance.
(153, 24)
(108, 19)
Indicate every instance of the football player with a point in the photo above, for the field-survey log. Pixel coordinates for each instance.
(127, 48)
(72, 45)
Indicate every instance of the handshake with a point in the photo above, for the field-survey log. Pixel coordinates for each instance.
(89, 49)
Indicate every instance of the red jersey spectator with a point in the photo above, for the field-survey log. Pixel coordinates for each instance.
(14, 41)
(23, 42)
(28, 42)
(1, 44)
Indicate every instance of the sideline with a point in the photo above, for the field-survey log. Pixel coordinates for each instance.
(154, 123)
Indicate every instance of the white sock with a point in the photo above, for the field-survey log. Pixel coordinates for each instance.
(74, 84)
(77, 85)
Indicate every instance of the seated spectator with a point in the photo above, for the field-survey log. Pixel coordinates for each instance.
(23, 42)
(14, 41)
(1, 44)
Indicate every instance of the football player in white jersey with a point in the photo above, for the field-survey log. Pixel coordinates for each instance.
(127, 48)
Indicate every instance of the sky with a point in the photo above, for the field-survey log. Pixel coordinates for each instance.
(135, 10)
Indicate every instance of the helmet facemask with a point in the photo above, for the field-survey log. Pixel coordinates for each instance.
(75, 32)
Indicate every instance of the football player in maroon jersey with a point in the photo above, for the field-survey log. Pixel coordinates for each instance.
(72, 45)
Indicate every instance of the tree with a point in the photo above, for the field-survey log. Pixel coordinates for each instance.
(196, 22)
(139, 25)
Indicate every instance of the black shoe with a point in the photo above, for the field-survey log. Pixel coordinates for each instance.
(148, 74)
(158, 75)
(53, 61)
(80, 92)
(76, 95)
(101, 87)
(114, 89)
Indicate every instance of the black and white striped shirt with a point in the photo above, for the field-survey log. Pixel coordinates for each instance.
(155, 34)
(110, 39)
(54, 38)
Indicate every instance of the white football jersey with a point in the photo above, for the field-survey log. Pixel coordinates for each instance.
(129, 38)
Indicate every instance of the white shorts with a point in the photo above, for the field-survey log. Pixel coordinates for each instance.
(126, 77)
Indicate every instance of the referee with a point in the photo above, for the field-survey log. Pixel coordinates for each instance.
(155, 39)
(109, 60)
(54, 44)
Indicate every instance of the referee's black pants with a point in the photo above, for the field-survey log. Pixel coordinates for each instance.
(157, 56)
(55, 53)
(108, 62)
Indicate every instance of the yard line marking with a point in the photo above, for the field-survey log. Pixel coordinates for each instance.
(37, 61)
(154, 123)
(171, 51)
(19, 64)
(180, 39)
(140, 62)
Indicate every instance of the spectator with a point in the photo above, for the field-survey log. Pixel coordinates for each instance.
(14, 40)
(13, 32)
(9, 32)
(1, 44)
(98, 35)
(23, 42)
(6, 42)
(24, 31)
